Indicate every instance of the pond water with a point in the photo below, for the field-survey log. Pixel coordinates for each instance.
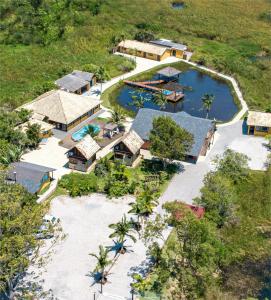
(177, 5)
(223, 107)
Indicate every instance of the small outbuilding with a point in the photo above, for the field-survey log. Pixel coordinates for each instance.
(83, 154)
(77, 82)
(169, 73)
(128, 148)
(34, 178)
(258, 123)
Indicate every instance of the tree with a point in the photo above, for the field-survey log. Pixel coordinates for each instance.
(33, 135)
(122, 230)
(233, 165)
(117, 117)
(20, 219)
(102, 262)
(144, 36)
(144, 204)
(91, 131)
(160, 100)
(217, 197)
(168, 140)
(208, 100)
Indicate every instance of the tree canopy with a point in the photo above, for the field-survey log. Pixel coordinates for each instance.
(168, 140)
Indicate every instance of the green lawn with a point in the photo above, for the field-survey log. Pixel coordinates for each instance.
(230, 35)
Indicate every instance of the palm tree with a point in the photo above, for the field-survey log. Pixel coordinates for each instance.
(91, 131)
(122, 229)
(144, 204)
(160, 99)
(117, 117)
(102, 263)
(102, 75)
(207, 100)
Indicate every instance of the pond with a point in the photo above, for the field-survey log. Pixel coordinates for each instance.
(223, 107)
(177, 5)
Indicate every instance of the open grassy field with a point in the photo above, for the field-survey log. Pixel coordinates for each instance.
(232, 36)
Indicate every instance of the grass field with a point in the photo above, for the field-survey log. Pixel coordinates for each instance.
(232, 36)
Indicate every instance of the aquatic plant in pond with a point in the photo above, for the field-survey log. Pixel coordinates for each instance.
(223, 107)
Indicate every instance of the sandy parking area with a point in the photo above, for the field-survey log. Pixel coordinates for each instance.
(85, 221)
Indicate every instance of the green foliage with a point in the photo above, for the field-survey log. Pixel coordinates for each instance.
(144, 36)
(168, 140)
(33, 135)
(20, 219)
(102, 262)
(208, 100)
(79, 184)
(233, 165)
(217, 197)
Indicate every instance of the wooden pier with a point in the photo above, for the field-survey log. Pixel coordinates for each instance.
(147, 85)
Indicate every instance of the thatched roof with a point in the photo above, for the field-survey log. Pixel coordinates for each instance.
(87, 147)
(62, 107)
(256, 118)
(132, 141)
(169, 72)
(144, 47)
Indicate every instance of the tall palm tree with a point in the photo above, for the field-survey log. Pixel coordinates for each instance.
(102, 263)
(122, 230)
(91, 131)
(160, 99)
(207, 100)
(117, 117)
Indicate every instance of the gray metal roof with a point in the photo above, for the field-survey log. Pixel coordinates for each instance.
(169, 72)
(169, 44)
(28, 175)
(71, 83)
(197, 126)
(83, 75)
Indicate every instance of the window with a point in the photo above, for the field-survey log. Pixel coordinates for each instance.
(261, 128)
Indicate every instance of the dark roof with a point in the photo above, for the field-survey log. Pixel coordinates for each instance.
(28, 175)
(169, 44)
(197, 126)
(71, 83)
(83, 75)
(169, 72)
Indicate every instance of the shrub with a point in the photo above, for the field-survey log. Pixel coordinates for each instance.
(79, 184)
(144, 36)
(127, 65)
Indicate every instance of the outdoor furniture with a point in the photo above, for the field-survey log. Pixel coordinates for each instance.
(110, 129)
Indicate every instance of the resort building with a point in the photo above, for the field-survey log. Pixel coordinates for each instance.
(202, 129)
(77, 82)
(155, 50)
(128, 148)
(83, 154)
(259, 123)
(34, 178)
(64, 110)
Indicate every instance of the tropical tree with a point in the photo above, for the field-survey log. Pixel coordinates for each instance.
(207, 100)
(144, 204)
(139, 98)
(91, 131)
(140, 284)
(117, 117)
(123, 229)
(102, 75)
(168, 140)
(33, 135)
(9, 153)
(102, 262)
(160, 99)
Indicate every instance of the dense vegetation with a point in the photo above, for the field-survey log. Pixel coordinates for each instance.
(13, 142)
(116, 180)
(20, 219)
(41, 40)
(225, 255)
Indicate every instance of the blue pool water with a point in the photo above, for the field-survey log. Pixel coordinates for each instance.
(81, 133)
(223, 107)
(167, 92)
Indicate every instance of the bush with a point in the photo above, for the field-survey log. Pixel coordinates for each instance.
(143, 36)
(79, 184)
(127, 65)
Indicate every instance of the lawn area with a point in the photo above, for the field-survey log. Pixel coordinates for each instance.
(232, 36)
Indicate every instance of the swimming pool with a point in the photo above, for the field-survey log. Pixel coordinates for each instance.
(81, 133)
(167, 92)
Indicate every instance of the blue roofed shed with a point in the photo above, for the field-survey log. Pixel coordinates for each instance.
(31, 176)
